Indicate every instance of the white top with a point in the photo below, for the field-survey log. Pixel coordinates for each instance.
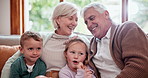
(103, 59)
(30, 68)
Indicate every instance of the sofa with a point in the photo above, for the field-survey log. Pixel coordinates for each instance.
(9, 44)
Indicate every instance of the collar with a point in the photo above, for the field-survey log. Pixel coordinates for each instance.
(108, 33)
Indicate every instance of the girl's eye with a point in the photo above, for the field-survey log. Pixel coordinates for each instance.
(30, 48)
(72, 52)
(81, 53)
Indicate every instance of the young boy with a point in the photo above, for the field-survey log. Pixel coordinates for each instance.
(77, 59)
(29, 65)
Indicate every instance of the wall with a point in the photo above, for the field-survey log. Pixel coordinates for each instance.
(4, 17)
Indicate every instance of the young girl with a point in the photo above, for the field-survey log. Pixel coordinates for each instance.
(77, 59)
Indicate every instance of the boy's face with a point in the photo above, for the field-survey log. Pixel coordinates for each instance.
(75, 54)
(31, 50)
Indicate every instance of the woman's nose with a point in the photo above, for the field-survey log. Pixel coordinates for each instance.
(74, 23)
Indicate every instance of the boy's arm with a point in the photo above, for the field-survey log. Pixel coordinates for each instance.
(14, 71)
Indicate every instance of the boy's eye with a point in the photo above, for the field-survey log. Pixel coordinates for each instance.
(30, 48)
(39, 48)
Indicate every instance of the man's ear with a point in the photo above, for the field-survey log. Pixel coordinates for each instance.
(106, 13)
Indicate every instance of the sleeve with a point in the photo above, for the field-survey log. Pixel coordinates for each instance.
(68, 74)
(42, 68)
(6, 69)
(14, 70)
(80, 73)
(134, 53)
(64, 74)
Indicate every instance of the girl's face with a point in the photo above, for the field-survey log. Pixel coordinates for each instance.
(66, 24)
(31, 50)
(75, 54)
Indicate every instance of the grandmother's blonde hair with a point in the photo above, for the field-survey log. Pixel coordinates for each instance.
(63, 9)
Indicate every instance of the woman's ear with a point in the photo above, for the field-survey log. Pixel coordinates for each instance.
(58, 20)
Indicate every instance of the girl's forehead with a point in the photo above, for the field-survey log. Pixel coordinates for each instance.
(76, 43)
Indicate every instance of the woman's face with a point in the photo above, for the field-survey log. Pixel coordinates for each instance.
(66, 24)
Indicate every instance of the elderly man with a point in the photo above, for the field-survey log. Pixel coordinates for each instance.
(116, 51)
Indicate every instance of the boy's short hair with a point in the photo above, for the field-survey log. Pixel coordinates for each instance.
(29, 34)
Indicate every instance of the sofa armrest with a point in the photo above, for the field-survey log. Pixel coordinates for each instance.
(5, 53)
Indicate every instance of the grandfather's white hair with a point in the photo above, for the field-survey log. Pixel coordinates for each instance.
(96, 5)
(63, 9)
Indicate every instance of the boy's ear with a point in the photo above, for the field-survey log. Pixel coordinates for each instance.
(21, 48)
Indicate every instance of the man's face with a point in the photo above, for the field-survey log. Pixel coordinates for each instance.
(96, 22)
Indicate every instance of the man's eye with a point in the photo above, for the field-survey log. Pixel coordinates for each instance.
(92, 17)
(30, 48)
(86, 22)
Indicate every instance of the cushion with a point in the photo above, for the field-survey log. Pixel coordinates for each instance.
(5, 53)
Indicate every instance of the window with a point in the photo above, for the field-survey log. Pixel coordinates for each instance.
(41, 10)
(138, 12)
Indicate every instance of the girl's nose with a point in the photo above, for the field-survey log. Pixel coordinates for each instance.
(76, 55)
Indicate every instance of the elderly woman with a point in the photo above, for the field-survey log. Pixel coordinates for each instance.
(64, 19)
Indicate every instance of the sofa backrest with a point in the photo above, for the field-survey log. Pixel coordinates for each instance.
(9, 40)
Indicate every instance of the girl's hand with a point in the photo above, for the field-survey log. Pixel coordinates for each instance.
(88, 73)
(80, 66)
